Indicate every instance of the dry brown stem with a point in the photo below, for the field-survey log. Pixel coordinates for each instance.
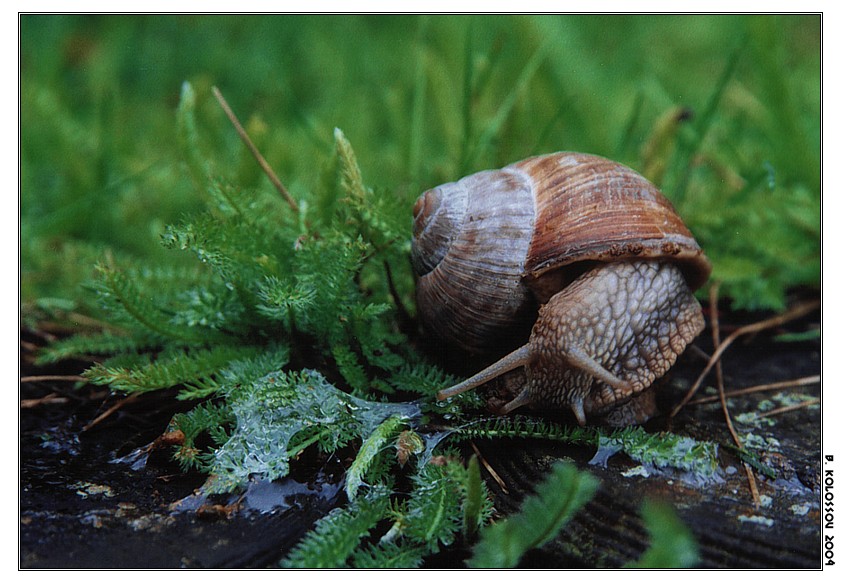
(254, 151)
(107, 413)
(490, 469)
(37, 378)
(792, 314)
(719, 374)
(50, 399)
(800, 382)
(790, 408)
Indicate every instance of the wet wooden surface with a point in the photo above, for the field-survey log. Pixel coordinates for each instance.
(80, 509)
(783, 532)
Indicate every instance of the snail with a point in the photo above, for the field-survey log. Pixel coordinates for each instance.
(596, 246)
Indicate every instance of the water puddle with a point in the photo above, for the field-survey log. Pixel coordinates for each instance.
(261, 496)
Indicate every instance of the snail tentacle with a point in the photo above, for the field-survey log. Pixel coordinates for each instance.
(576, 357)
(578, 409)
(519, 358)
(522, 399)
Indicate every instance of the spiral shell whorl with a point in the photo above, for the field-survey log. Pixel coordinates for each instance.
(590, 208)
(469, 251)
(437, 215)
(488, 248)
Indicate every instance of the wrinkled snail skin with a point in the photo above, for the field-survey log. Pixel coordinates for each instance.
(602, 340)
(597, 246)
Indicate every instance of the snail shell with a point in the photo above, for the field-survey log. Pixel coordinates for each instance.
(490, 247)
(592, 242)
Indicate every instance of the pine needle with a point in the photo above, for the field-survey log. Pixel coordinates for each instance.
(49, 399)
(494, 475)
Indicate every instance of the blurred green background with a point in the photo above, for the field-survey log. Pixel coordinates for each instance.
(723, 112)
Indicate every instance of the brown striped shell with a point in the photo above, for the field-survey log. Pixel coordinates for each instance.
(488, 248)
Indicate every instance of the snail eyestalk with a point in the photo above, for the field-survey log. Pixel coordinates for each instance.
(518, 358)
(584, 362)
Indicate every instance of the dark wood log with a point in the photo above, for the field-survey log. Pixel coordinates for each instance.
(66, 522)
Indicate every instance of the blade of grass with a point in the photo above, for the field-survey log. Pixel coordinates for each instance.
(493, 128)
(672, 544)
(801, 157)
(624, 143)
(281, 189)
(686, 152)
(467, 100)
(549, 127)
(418, 102)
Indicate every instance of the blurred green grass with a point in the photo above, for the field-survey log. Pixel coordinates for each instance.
(424, 100)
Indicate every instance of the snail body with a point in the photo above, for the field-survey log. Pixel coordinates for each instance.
(596, 246)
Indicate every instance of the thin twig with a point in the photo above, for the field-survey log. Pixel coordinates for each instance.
(111, 410)
(754, 491)
(699, 351)
(49, 399)
(719, 375)
(790, 408)
(794, 313)
(254, 151)
(37, 378)
(27, 346)
(801, 382)
(489, 468)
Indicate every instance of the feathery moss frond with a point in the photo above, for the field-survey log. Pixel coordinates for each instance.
(661, 450)
(350, 368)
(540, 519)
(135, 307)
(434, 515)
(208, 418)
(389, 555)
(105, 343)
(238, 373)
(420, 378)
(280, 414)
(338, 534)
(169, 370)
(671, 543)
(371, 447)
